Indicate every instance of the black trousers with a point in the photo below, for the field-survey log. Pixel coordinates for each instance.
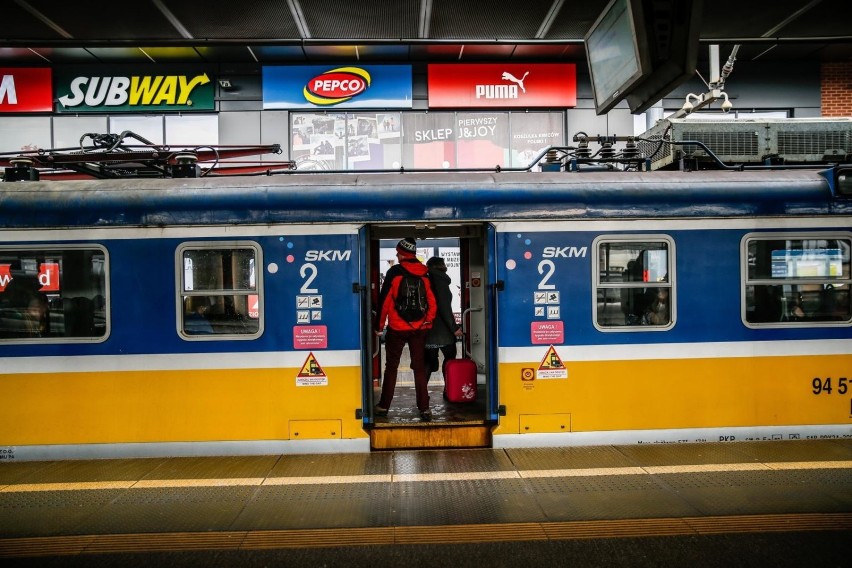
(448, 350)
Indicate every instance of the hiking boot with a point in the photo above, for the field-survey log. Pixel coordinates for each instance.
(379, 411)
(426, 415)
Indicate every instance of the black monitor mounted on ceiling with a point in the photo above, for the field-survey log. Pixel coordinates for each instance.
(673, 31)
(617, 52)
(641, 50)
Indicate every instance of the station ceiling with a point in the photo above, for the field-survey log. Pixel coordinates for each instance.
(266, 32)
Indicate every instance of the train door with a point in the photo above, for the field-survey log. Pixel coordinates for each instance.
(465, 250)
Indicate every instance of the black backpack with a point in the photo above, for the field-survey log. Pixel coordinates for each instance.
(411, 303)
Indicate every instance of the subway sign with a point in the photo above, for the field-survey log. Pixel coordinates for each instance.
(133, 92)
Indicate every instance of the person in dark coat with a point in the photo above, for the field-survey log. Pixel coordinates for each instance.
(444, 330)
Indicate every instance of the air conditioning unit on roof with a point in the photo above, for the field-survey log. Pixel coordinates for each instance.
(790, 140)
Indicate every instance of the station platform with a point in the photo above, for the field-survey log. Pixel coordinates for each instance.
(780, 503)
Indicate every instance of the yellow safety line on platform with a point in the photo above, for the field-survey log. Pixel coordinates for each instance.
(322, 480)
(448, 534)
(422, 477)
(585, 472)
(811, 465)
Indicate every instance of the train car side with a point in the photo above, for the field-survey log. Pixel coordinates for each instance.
(152, 384)
(233, 316)
(575, 368)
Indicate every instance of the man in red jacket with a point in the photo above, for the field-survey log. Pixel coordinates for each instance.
(403, 328)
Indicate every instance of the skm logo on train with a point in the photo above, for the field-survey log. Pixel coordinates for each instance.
(329, 255)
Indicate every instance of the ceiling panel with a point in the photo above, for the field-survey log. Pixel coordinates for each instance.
(226, 54)
(19, 56)
(736, 19)
(398, 52)
(228, 19)
(19, 23)
(107, 19)
(438, 52)
(279, 53)
(173, 54)
(331, 52)
(119, 54)
(383, 19)
(575, 19)
(480, 52)
(547, 51)
(495, 19)
(775, 52)
(277, 31)
(62, 55)
(825, 18)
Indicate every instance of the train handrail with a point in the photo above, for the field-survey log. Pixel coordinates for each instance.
(464, 315)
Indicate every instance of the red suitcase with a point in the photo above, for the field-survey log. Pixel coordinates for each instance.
(460, 380)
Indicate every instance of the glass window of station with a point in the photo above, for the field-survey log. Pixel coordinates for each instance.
(422, 140)
(634, 283)
(53, 295)
(219, 291)
(796, 280)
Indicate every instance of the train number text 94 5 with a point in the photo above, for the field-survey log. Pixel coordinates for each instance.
(828, 386)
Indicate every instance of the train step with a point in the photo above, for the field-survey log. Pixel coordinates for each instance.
(419, 436)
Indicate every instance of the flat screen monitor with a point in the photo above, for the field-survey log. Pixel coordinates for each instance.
(617, 52)
(673, 31)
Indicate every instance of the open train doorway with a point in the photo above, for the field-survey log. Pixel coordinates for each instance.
(463, 248)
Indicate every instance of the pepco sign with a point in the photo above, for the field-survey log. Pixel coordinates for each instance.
(316, 86)
(337, 85)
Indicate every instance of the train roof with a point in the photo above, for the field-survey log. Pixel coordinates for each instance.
(411, 197)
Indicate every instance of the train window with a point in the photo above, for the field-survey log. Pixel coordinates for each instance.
(219, 291)
(634, 285)
(796, 280)
(53, 295)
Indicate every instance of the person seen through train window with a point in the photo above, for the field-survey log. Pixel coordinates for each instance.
(633, 300)
(657, 312)
(196, 322)
(22, 296)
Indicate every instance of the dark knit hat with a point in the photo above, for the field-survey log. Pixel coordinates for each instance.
(407, 247)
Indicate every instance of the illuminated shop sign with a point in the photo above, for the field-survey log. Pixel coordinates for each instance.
(88, 92)
(319, 86)
(498, 85)
(25, 90)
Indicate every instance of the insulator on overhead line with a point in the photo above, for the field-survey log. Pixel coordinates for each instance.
(186, 166)
(22, 170)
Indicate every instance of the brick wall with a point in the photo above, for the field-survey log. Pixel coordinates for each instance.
(836, 88)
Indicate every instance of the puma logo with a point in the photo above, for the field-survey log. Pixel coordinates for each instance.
(520, 82)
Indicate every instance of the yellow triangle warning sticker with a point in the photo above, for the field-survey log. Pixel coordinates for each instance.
(551, 360)
(311, 368)
(551, 366)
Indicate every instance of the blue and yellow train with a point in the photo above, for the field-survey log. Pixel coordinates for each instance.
(217, 316)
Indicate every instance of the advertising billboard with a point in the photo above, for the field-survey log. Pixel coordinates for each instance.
(123, 91)
(502, 85)
(24, 89)
(337, 87)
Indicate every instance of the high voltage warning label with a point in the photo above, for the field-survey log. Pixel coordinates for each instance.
(551, 366)
(311, 374)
